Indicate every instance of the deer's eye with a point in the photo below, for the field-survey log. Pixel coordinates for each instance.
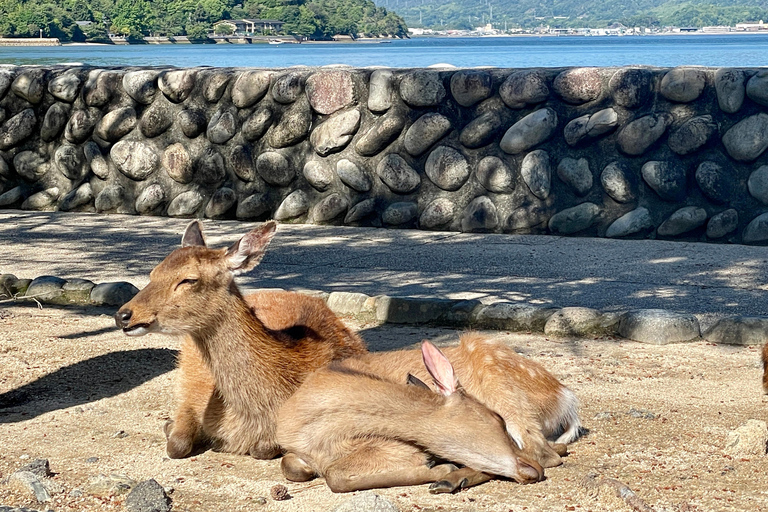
(183, 282)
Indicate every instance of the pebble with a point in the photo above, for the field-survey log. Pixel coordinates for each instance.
(667, 179)
(248, 88)
(294, 205)
(692, 135)
(335, 133)
(147, 496)
(639, 135)
(437, 213)
(495, 175)
(65, 86)
(713, 181)
(748, 139)
(748, 439)
(384, 130)
(397, 214)
(422, 88)
(630, 87)
(578, 85)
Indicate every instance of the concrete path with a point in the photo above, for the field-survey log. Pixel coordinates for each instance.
(710, 280)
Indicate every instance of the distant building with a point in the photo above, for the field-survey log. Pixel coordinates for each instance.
(248, 27)
(751, 26)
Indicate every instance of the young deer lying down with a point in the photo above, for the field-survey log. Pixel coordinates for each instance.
(361, 431)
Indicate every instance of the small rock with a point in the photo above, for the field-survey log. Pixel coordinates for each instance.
(148, 496)
(257, 123)
(178, 163)
(330, 91)
(29, 483)
(360, 211)
(683, 84)
(335, 133)
(17, 128)
(38, 467)
(495, 175)
(615, 182)
(222, 127)
(384, 130)
(757, 184)
(514, 317)
(530, 131)
(480, 215)
(352, 176)
(748, 439)
(366, 502)
(113, 294)
(41, 200)
(395, 172)
(135, 159)
(692, 135)
(658, 326)
(578, 85)
(192, 122)
(723, 223)
(292, 127)
(747, 139)
(576, 174)
(470, 86)
(636, 221)
(397, 214)
(422, 88)
(738, 330)
(294, 205)
(523, 88)
(577, 322)
(156, 119)
(91, 460)
(186, 204)
(482, 130)
(248, 88)
(423, 133)
(447, 168)
(729, 86)
(221, 202)
(630, 87)
(537, 173)
(757, 88)
(713, 182)
(756, 231)
(111, 198)
(46, 288)
(642, 414)
(575, 219)
(141, 85)
(78, 197)
(65, 87)
(329, 208)
(288, 87)
(319, 175)
(275, 169)
(639, 135)
(668, 179)
(437, 213)
(252, 207)
(380, 90)
(682, 221)
(177, 84)
(105, 486)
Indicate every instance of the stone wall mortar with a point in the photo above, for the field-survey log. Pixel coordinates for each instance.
(629, 152)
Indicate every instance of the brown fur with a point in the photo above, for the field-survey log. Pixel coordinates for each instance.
(765, 368)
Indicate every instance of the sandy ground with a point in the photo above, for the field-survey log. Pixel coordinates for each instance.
(76, 391)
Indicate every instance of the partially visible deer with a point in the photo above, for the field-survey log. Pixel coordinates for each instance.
(765, 368)
(361, 431)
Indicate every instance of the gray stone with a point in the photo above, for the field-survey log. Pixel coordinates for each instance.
(96, 160)
(328, 208)
(384, 130)
(639, 135)
(248, 88)
(757, 184)
(186, 204)
(658, 326)
(150, 199)
(110, 198)
(55, 119)
(352, 176)
(713, 182)
(537, 173)
(523, 88)
(471, 86)
(437, 213)
(135, 159)
(156, 119)
(222, 127)
(349, 303)
(178, 163)
(275, 169)
(70, 161)
(319, 175)
(666, 178)
(756, 231)
(568, 322)
(576, 130)
(692, 135)
(214, 85)
(447, 168)
(511, 316)
(113, 294)
(330, 91)
(738, 330)
(12, 196)
(407, 310)
(578, 85)
(630, 87)
(28, 482)
(5, 171)
(422, 88)
(148, 496)
(46, 288)
(380, 90)
(30, 166)
(480, 215)
(729, 86)
(65, 87)
(425, 131)
(116, 124)
(241, 162)
(106, 486)
(361, 210)
(530, 131)
(221, 202)
(77, 291)
(683, 84)
(575, 219)
(210, 168)
(192, 122)
(38, 467)
(682, 221)
(587, 126)
(45, 199)
(288, 87)
(482, 130)
(635, 221)
(576, 174)
(81, 124)
(141, 85)
(30, 85)
(757, 88)
(723, 223)
(747, 440)
(257, 123)
(252, 207)
(397, 174)
(616, 183)
(17, 128)
(100, 86)
(495, 175)
(747, 139)
(177, 85)
(292, 127)
(6, 78)
(335, 133)
(397, 214)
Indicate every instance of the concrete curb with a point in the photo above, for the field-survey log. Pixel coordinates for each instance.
(655, 326)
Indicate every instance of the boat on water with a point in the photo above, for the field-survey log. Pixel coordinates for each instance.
(276, 41)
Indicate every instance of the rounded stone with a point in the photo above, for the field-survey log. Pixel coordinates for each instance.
(471, 86)
(482, 130)
(6, 79)
(252, 207)
(116, 124)
(397, 174)
(748, 440)
(422, 88)
(682, 221)
(186, 204)
(425, 131)
(602, 122)
(523, 88)
(76, 198)
(141, 85)
(447, 168)
(639, 135)
(65, 87)
(150, 199)
(17, 128)
(221, 202)
(69, 161)
(437, 213)
(80, 125)
(723, 223)
(214, 85)
(335, 133)
(192, 122)
(294, 205)
(730, 89)
(360, 211)
(578, 85)
(55, 119)
(45, 287)
(495, 175)
(683, 84)
(713, 182)
(636, 221)
(5, 171)
(576, 130)
(29, 165)
(317, 174)
(380, 90)
(757, 88)
(630, 87)
(288, 87)
(275, 169)
(529, 131)
(666, 178)
(756, 231)
(293, 127)
(576, 174)
(658, 326)
(747, 139)
(110, 198)
(328, 208)
(241, 162)
(757, 184)
(397, 214)
(222, 127)
(352, 176)
(100, 86)
(575, 322)
(134, 159)
(480, 215)
(692, 135)
(210, 168)
(13, 196)
(537, 173)
(385, 130)
(575, 219)
(42, 200)
(30, 85)
(156, 119)
(113, 294)
(177, 85)
(96, 160)
(330, 91)
(249, 87)
(257, 123)
(178, 163)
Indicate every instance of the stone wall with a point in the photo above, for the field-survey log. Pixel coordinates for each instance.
(617, 152)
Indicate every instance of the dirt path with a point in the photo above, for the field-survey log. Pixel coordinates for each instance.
(76, 391)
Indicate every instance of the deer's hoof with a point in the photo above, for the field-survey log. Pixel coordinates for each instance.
(447, 486)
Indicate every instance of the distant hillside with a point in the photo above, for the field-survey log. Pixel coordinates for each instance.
(467, 14)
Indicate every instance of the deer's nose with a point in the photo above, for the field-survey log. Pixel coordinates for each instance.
(123, 317)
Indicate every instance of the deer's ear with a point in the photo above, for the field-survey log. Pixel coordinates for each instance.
(247, 252)
(439, 368)
(193, 235)
(412, 380)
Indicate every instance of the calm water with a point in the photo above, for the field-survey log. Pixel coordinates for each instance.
(711, 50)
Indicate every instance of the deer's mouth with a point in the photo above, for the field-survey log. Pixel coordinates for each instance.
(137, 329)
